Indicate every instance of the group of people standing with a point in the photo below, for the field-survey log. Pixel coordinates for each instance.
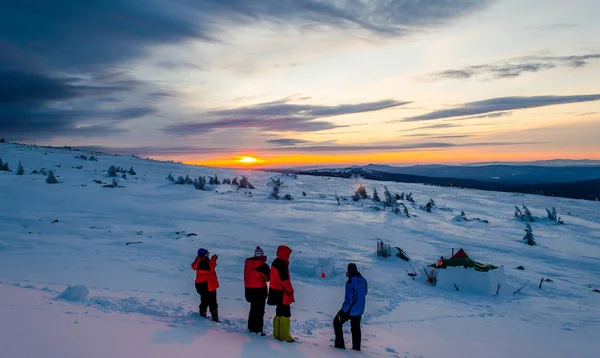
(279, 293)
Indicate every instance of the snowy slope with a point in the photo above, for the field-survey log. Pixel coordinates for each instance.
(142, 301)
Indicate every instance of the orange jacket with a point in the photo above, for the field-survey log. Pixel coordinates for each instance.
(256, 272)
(205, 271)
(281, 291)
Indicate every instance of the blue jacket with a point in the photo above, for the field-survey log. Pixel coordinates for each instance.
(356, 292)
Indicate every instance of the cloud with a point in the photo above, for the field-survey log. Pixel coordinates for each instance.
(515, 67)
(502, 104)
(287, 141)
(193, 150)
(279, 116)
(34, 105)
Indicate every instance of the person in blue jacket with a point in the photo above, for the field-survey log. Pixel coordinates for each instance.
(352, 309)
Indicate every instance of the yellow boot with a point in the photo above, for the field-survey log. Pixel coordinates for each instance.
(284, 327)
(276, 327)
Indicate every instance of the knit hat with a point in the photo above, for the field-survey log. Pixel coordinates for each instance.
(352, 269)
(202, 252)
(259, 252)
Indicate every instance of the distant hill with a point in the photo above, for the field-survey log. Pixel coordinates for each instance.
(551, 181)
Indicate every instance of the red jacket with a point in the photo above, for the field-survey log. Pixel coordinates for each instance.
(205, 271)
(281, 291)
(256, 272)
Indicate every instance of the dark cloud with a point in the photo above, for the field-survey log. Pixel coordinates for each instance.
(178, 65)
(515, 67)
(279, 116)
(152, 151)
(503, 104)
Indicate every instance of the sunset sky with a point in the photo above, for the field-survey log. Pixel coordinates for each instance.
(305, 82)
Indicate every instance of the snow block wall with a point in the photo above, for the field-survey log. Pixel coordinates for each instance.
(471, 281)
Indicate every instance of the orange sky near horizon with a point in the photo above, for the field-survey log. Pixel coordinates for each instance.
(447, 156)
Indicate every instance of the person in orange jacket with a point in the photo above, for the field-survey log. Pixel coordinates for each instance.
(256, 276)
(281, 294)
(207, 283)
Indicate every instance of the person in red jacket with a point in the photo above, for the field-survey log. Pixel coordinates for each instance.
(256, 276)
(207, 283)
(281, 294)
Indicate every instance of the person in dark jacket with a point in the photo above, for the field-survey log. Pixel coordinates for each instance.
(352, 308)
(256, 276)
(281, 294)
(207, 283)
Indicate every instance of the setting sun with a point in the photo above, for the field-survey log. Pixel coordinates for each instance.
(247, 160)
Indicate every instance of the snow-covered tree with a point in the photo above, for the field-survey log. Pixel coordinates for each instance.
(4, 166)
(362, 191)
(389, 200)
(337, 198)
(529, 236)
(226, 181)
(276, 185)
(51, 179)
(112, 171)
(170, 177)
(188, 180)
(180, 180)
(397, 197)
(93, 159)
(20, 170)
(199, 183)
(401, 196)
(525, 215)
(409, 197)
(288, 197)
(401, 209)
(356, 196)
(551, 214)
(235, 181)
(376, 197)
(244, 183)
(131, 171)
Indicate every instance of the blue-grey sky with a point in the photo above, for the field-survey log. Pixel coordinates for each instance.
(304, 81)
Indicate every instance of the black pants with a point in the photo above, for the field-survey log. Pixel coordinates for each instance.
(338, 323)
(257, 314)
(283, 311)
(207, 298)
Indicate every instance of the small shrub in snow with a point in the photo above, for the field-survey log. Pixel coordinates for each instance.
(409, 197)
(529, 236)
(180, 180)
(389, 200)
(131, 171)
(397, 197)
(288, 197)
(235, 181)
(401, 196)
(525, 215)
(376, 197)
(34, 171)
(114, 184)
(551, 214)
(20, 170)
(84, 157)
(188, 180)
(362, 191)
(401, 209)
(303, 193)
(93, 159)
(112, 171)
(356, 196)
(337, 198)
(124, 176)
(51, 179)
(170, 178)
(227, 181)
(2, 140)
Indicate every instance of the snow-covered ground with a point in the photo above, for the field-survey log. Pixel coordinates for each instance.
(142, 302)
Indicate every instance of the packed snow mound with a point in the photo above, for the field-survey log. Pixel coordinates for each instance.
(470, 281)
(74, 293)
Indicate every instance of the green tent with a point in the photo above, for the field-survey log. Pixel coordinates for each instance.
(462, 259)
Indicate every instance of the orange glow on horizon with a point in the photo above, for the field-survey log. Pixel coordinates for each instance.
(448, 156)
